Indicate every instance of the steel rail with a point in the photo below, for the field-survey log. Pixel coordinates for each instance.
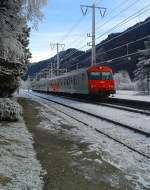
(98, 130)
(111, 103)
(99, 117)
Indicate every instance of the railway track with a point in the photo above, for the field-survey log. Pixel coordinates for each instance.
(112, 103)
(140, 107)
(135, 130)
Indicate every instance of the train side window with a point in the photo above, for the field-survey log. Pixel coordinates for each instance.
(74, 81)
(82, 76)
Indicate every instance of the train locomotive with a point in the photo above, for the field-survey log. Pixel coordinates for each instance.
(94, 80)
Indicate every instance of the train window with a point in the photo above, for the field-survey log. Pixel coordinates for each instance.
(106, 75)
(82, 76)
(74, 81)
(94, 75)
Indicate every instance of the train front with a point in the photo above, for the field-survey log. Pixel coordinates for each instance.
(100, 81)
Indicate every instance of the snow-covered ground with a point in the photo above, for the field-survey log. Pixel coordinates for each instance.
(19, 168)
(131, 95)
(135, 167)
(135, 120)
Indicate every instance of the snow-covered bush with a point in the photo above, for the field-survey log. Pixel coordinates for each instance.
(10, 110)
(123, 81)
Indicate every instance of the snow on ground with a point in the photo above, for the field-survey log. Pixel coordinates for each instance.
(135, 167)
(131, 95)
(19, 168)
(136, 120)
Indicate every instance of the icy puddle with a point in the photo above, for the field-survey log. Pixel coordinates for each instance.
(19, 168)
(78, 158)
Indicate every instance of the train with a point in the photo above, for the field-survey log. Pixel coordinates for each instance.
(92, 81)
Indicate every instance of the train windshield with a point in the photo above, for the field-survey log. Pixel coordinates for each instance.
(106, 75)
(100, 75)
(94, 75)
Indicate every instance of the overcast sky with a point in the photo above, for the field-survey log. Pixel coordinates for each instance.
(62, 15)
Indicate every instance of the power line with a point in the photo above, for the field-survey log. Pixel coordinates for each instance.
(141, 24)
(71, 29)
(136, 14)
(124, 56)
(71, 54)
(84, 12)
(126, 44)
(129, 30)
(74, 26)
(124, 10)
(115, 26)
(120, 4)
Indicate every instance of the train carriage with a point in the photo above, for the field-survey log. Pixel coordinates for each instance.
(95, 80)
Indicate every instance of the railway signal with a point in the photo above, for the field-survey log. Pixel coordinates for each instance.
(84, 9)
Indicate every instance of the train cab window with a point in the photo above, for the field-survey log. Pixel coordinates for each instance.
(106, 75)
(94, 75)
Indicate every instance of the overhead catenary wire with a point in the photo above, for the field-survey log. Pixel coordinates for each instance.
(133, 28)
(131, 17)
(125, 31)
(125, 9)
(117, 58)
(126, 20)
(74, 26)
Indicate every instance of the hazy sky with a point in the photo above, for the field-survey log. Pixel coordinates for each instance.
(62, 15)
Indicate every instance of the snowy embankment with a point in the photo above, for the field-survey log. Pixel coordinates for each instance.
(131, 95)
(19, 168)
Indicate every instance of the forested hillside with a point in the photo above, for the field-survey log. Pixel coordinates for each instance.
(71, 57)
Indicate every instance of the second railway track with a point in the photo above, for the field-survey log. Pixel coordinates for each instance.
(136, 130)
(134, 106)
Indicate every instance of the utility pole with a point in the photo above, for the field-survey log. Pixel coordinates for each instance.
(57, 45)
(84, 12)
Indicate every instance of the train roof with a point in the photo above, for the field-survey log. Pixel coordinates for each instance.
(99, 68)
(95, 68)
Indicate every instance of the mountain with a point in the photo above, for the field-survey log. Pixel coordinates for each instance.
(106, 50)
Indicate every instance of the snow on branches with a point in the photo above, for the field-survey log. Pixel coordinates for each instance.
(14, 34)
(9, 109)
(31, 10)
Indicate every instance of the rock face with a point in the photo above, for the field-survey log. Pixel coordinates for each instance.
(13, 46)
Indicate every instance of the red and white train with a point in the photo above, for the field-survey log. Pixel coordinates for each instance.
(94, 80)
